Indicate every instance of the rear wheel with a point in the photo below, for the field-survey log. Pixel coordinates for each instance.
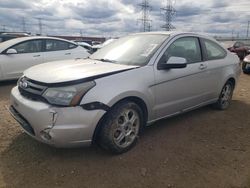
(121, 127)
(225, 96)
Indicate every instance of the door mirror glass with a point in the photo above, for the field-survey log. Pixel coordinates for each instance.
(11, 51)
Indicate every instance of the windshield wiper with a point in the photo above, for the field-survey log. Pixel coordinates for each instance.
(106, 60)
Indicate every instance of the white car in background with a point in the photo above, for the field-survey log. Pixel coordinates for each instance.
(99, 46)
(18, 54)
(85, 45)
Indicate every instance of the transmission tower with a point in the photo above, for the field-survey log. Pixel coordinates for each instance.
(169, 12)
(145, 9)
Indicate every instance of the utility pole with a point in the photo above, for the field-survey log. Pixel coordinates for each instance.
(145, 9)
(232, 34)
(40, 25)
(3, 29)
(248, 24)
(80, 32)
(169, 12)
(24, 24)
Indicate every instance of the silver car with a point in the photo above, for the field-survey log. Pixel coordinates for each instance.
(134, 81)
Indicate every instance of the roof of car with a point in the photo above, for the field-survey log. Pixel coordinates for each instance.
(172, 33)
(4, 45)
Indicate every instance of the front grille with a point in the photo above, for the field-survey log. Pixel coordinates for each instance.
(22, 121)
(31, 90)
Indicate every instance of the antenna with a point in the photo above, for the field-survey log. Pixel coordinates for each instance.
(169, 12)
(145, 9)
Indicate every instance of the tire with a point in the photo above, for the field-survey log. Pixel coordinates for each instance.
(244, 65)
(225, 96)
(121, 127)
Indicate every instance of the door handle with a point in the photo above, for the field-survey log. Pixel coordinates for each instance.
(68, 54)
(36, 55)
(202, 67)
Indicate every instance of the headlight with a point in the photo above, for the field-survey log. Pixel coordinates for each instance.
(67, 96)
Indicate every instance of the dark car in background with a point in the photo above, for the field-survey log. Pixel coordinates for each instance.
(240, 48)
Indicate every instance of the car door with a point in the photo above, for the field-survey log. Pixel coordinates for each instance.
(29, 53)
(177, 90)
(61, 50)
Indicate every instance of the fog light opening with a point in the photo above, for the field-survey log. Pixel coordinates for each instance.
(45, 135)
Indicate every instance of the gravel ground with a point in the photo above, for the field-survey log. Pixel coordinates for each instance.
(202, 148)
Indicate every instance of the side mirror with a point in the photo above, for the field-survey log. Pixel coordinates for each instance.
(11, 51)
(174, 63)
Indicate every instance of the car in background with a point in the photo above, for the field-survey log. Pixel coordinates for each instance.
(85, 45)
(240, 49)
(134, 81)
(4, 36)
(246, 65)
(99, 46)
(18, 54)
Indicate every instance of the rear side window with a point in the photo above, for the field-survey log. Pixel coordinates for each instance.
(238, 45)
(213, 50)
(186, 47)
(31, 46)
(56, 45)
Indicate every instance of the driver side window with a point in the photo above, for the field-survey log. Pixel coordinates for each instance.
(186, 47)
(31, 46)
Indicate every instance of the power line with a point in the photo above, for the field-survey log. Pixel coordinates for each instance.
(145, 9)
(169, 12)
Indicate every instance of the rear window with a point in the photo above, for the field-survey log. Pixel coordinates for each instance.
(213, 50)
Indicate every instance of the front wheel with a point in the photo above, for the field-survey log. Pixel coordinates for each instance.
(225, 97)
(121, 127)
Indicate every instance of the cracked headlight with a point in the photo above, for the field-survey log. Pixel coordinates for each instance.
(68, 95)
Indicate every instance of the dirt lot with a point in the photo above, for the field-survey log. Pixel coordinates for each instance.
(203, 148)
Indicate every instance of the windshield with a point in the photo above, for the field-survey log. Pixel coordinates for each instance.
(130, 50)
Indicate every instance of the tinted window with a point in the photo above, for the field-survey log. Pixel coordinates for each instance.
(56, 45)
(186, 47)
(214, 51)
(31, 46)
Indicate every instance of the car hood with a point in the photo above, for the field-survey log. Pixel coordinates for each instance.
(71, 70)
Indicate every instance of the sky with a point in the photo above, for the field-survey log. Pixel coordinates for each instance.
(114, 18)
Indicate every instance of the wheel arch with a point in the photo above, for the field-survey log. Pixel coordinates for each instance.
(137, 100)
(232, 80)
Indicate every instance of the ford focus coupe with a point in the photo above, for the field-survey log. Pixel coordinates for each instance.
(112, 95)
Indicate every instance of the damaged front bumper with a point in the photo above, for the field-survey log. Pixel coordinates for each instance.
(57, 126)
